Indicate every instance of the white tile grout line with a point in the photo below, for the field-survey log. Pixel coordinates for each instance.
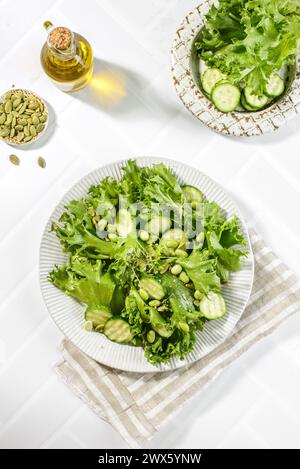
(282, 171)
(270, 392)
(52, 378)
(262, 209)
(29, 31)
(44, 324)
(15, 291)
(254, 435)
(64, 428)
(128, 29)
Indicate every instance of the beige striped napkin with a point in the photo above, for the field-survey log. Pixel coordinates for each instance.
(139, 405)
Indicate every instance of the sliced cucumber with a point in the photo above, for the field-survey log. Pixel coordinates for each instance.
(275, 86)
(98, 315)
(152, 287)
(192, 194)
(226, 97)
(246, 105)
(256, 102)
(158, 224)
(210, 78)
(213, 306)
(118, 330)
(124, 223)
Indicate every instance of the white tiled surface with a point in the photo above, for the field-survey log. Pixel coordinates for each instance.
(253, 404)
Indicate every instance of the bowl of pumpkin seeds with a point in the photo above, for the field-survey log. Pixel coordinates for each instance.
(23, 117)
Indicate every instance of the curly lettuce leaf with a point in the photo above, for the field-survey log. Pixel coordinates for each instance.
(202, 272)
(249, 39)
(83, 289)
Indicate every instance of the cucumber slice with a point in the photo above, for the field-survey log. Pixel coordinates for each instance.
(246, 105)
(118, 330)
(256, 102)
(152, 287)
(158, 224)
(97, 315)
(124, 223)
(275, 86)
(213, 306)
(210, 78)
(191, 194)
(226, 97)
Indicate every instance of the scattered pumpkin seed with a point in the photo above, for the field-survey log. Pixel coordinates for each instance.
(41, 162)
(14, 159)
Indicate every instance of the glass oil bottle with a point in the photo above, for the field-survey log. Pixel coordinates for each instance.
(67, 58)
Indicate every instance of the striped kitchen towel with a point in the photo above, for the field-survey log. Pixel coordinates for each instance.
(138, 405)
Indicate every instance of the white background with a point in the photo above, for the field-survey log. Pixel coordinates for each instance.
(255, 403)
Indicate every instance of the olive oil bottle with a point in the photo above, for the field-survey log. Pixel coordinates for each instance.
(67, 58)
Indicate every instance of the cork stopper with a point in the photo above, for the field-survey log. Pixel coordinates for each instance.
(60, 38)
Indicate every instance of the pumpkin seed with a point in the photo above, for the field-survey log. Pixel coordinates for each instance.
(40, 128)
(41, 162)
(14, 159)
(9, 119)
(22, 116)
(16, 102)
(32, 131)
(4, 132)
(8, 106)
(33, 105)
(20, 136)
(35, 119)
(22, 108)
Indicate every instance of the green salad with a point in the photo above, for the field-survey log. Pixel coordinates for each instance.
(148, 257)
(247, 47)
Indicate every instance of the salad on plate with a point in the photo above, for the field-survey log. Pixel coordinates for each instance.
(247, 51)
(147, 257)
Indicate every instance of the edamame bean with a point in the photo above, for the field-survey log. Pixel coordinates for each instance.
(144, 235)
(197, 295)
(184, 326)
(181, 253)
(154, 303)
(151, 336)
(143, 294)
(184, 277)
(176, 269)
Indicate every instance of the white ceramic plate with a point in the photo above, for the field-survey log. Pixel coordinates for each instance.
(68, 314)
(185, 71)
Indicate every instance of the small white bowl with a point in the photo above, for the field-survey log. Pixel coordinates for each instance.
(14, 141)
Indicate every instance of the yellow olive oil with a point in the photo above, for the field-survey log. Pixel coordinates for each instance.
(67, 58)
